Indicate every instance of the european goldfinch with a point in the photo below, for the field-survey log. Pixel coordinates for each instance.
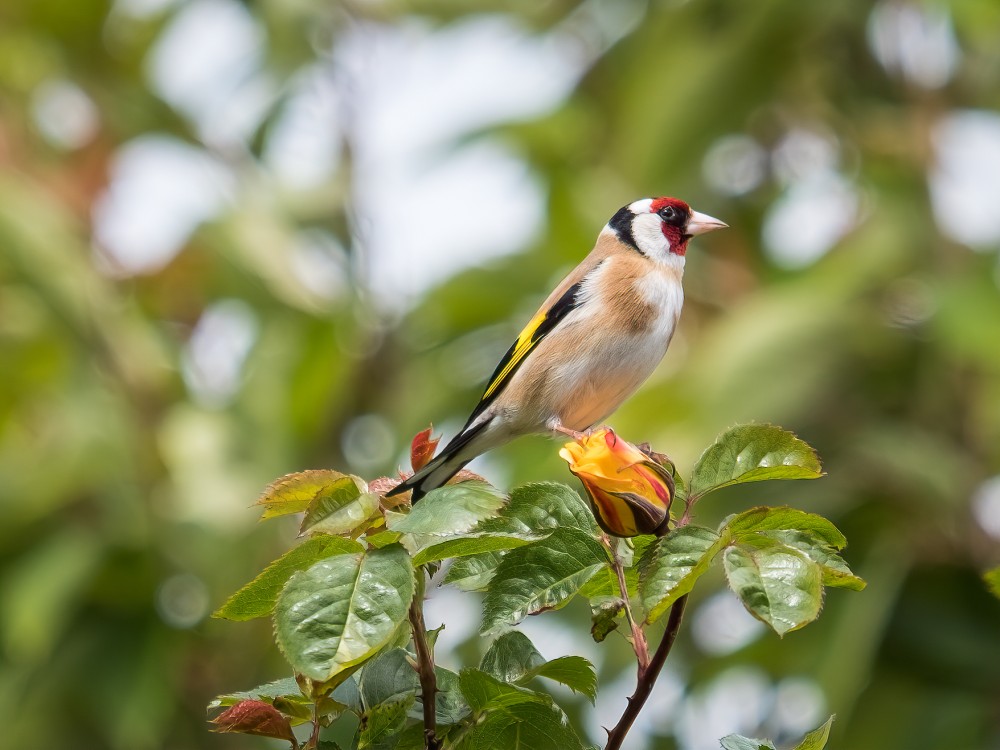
(591, 344)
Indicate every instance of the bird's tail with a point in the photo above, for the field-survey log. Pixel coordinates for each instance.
(443, 466)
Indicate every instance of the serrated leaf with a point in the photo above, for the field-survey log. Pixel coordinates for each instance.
(669, 568)
(340, 507)
(739, 742)
(817, 739)
(524, 726)
(382, 538)
(292, 493)
(778, 585)
(388, 678)
(286, 686)
(543, 575)
(604, 618)
(540, 507)
(473, 573)
(784, 518)
(449, 705)
(381, 723)
(465, 546)
(604, 587)
(340, 611)
(575, 672)
(753, 453)
(510, 656)
(391, 677)
(254, 717)
(992, 579)
(836, 572)
(451, 509)
(257, 598)
(484, 692)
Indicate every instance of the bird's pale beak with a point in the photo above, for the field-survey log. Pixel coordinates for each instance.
(702, 223)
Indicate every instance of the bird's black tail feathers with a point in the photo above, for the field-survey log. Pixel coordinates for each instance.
(442, 467)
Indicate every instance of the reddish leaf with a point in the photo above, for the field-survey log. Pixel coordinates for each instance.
(255, 717)
(422, 448)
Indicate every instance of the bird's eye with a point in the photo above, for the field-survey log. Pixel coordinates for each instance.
(673, 215)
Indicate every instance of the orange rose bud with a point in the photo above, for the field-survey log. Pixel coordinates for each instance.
(629, 492)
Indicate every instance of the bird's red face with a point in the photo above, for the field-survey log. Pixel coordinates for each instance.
(674, 214)
(660, 228)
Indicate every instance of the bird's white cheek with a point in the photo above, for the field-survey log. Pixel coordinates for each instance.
(649, 236)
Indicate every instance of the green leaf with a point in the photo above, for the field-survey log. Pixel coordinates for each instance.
(669, 568)
(510, 656)
(836, 572)
(782, 519)
(257, 598)
(381, 723)
(388, 678)
(543, 575)
(809, 533)
(293, 493)
(451, 509)
(753, 453)
(603, 587)
(739, 742)
(340, 507)
(533, 511)
(778, 585)
(537, 508)
(484, 692)
(817, 739)
(285, 687)
(465, 546)
(992, 578)
(473, 573)
(604, 618)
(523, 726)
(340, 611)
(449, 706)
(575, 672)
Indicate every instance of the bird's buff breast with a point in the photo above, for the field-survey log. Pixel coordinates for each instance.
(594, 386)
(604, 356)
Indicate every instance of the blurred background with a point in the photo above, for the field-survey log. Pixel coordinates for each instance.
(239, 239)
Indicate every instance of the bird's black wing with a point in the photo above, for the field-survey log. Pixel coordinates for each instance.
(537, 329)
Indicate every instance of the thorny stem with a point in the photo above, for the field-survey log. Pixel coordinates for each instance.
(425, 666)
(689, 502)
(314, 737)
(639, 644)
(647, 676)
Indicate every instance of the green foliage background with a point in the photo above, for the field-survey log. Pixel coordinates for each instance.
(123, 502)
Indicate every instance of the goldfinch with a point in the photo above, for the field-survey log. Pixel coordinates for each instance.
(591, 344)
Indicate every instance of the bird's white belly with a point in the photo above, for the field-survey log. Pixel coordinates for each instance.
(596, 384)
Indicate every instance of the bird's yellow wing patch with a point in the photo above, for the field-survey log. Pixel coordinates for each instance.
(537, 329)
(526, 341)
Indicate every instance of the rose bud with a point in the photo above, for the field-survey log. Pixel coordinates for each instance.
(629, 492)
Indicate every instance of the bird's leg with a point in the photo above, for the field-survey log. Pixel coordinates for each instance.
(556, 426)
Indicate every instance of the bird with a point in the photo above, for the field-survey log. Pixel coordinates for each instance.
(592, 343)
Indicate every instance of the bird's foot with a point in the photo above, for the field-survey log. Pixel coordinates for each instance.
(578, 436)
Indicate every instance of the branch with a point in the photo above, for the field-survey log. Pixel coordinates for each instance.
(639, 644)
(647, 676)
(425, 666)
